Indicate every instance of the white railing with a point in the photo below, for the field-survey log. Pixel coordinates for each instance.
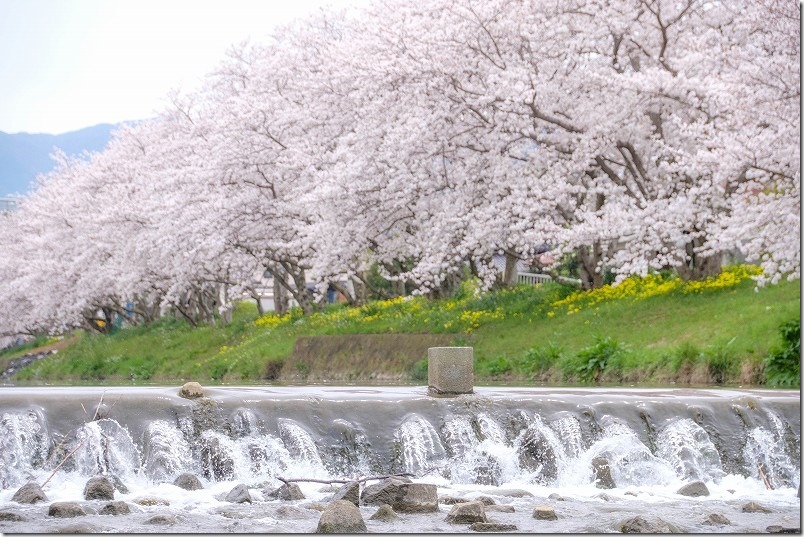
(532, 278)
(535, 278)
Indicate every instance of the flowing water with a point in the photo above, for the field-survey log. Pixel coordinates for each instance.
(745, 445)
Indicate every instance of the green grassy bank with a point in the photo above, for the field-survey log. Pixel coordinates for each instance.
(646, 331)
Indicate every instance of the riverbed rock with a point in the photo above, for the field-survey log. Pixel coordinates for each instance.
(290, 492)
(115, 508)
(602, 473)
(754, 507)
(341, 516)
(716, 519)
(694, 489)
(452, 500)
(401, 496)
(781, 529)
(536, 453)
(150, 501)
(349, 492)
(496, 508)
(292, 512)
(217, 462)
(467, 513)
(29, 493)
(239, 494)
(382, 492)
(161, 520)
(492, 527)
(99, 488)
(191, 390)
(641, 524)
(10, 516)
(544, 512)
(81, 527)
(118, 484)
(385, 513)
(188, 481)
(556, 497)
(65, 510)
(511, 493)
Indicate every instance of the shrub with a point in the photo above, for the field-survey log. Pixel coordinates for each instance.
(722, 364)
(686, 353)
(783, 366)
(418, 371)
(593, 361)
(499, 366)
(542, 358)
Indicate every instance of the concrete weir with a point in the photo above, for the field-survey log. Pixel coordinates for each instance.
(450, 371)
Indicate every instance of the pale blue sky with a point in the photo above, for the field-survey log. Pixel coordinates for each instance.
(69, 64)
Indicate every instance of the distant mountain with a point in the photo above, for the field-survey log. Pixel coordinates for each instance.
(23, 156)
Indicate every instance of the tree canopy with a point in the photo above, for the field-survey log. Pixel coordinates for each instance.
(424, 138)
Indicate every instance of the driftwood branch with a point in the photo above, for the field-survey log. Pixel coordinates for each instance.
(768, 484)
(342, 481)
(56, 469)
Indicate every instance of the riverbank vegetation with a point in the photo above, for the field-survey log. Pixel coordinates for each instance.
(653, 330)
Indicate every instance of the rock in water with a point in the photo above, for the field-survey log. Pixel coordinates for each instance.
(290, 492)
(65, 510)
(754, 507)
(467, 513)
(716, 519)
(492, 527)
(10, 516)
(349, 492)
(29, 493)
(188, 481)
(99, 488)
(239, 494)
(385, 514)
(647, 525)
(191, 390)
(115, 508)
(544, 512)
(341, 516)
(602, 471)
(161, 520)
(403, 497)
(694, 489)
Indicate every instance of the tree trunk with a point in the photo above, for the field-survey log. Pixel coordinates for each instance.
(280, 294)
(589, 266)
(510, 274)
(697, 266)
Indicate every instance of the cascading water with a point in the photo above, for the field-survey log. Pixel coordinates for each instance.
(740, 444)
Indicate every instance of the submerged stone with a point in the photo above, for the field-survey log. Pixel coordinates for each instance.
(341, 516)
(349, 492)
(544, 512)
(99, 488)
(191, 390)
(239, 494)
(754, 507)
(188, 481)
(640, 524)
(716, 519)
(65, 510)
(115, 508)
(29, 493)
(492, 527)
(694, 489)
(467, 513)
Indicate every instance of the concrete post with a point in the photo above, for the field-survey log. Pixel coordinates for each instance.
(450, 371)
